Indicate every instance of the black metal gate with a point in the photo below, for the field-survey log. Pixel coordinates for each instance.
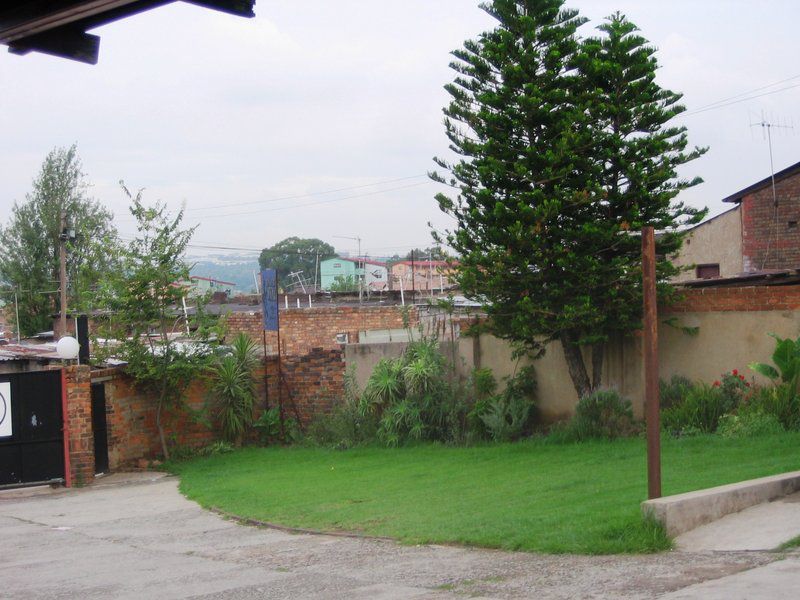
(99, 428)
(31, 427)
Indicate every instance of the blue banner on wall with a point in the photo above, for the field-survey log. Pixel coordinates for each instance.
(269, 299)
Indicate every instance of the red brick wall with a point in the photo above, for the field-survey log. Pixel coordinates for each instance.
(761, 247)
(305, 328)
(754, 298)
(315, 383)
(79, 424)
(131, 421)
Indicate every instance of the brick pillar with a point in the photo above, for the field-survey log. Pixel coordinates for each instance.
(78, 394)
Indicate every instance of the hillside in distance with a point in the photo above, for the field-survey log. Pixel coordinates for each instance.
(236, 268)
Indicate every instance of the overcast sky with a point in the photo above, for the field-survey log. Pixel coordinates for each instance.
(230, 115)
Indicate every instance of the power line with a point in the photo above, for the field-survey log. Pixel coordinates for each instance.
(716, 106)
(318, 203)
(758, 89)
(310, 194)
(223, 246)
(307, 204)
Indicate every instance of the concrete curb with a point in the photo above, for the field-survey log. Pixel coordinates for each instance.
(683, 512)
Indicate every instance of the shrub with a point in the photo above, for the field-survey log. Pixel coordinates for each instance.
(672, 392)
(749, 424)
(701, 410)
(781, 401)
(268, 426)
(604, 414)
(348, 425)
(734, 387)
(506, 416)
(414, 398)
(483, 383)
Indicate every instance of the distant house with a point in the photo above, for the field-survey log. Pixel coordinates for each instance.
(201, 286)
(337, 272)
(421, 275)
(760, 233)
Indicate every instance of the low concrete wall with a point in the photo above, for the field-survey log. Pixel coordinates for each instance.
(683, 512)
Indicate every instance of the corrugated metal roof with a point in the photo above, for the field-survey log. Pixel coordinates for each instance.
(11, 352)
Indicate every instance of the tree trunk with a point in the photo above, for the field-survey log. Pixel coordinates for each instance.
(160, 428)
(598, 353)
(575, 363)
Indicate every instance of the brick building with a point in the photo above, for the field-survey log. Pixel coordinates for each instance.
(761, 232)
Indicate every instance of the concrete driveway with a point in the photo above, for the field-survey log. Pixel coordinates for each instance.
(137, 537)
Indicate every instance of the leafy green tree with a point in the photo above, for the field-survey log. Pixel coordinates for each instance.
(144, 316)
(295, 254)
(564, 151)
(29, 254)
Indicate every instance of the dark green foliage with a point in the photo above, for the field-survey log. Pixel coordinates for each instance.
(506, 416)
(483, 382)
(673, 392)
(295, 254)
(603, 414)
(780, 400)
(414, 397)
(232, 388)
(29, 259)
(563, 149)
(268, 426)
(786, 358)
(350, 424)
(417, 397)
(700, 410)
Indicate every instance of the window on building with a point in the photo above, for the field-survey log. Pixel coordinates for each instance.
(708, 271)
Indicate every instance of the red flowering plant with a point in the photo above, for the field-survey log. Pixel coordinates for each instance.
(734, 387)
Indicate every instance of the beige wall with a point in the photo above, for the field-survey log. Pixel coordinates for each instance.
(718, 240)
(725, 341)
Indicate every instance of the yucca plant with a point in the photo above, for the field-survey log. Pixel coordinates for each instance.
(233, 389)
(384, 387)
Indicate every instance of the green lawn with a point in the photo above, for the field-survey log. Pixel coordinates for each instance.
(528, 496)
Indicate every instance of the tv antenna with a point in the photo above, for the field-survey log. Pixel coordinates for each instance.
(298, 277)
(766, 131)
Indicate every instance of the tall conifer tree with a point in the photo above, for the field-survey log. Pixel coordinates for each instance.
(564, 154)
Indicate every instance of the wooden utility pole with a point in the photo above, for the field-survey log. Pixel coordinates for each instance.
(62, 274)
(650, 340)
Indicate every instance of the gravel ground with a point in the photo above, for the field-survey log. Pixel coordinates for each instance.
(142, 539)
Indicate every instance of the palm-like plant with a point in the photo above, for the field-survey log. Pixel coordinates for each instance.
(786, 358)
(233, 389)
(385, 386)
